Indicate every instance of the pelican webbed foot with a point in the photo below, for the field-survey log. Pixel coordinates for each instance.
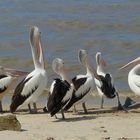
(120, 107)
(45, 110)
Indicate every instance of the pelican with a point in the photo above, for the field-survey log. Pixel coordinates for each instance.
(7, 78)
(106, 85)
(100, 71)
(83, 84)
(133, 76)
(61, 90)
(32, 86)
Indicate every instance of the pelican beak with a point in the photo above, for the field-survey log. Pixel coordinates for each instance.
(82, 56)
(35, 40)
(65, 69)
(103, 62)
(40, 50)
(132, 63)
(32, 37)
(92, 69)
(13, 72)
(100, 60)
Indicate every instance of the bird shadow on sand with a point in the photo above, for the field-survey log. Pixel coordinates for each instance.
(75, 119)
(134, 111)
(23, 130)
(26, 112)
(92, 114)
(98, 111)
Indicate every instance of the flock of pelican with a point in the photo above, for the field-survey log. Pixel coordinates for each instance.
(64, 92)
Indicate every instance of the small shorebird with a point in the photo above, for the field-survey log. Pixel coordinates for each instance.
(29, 89)
(83, 84)
(61, 90)
(105, 86)
(7, 77)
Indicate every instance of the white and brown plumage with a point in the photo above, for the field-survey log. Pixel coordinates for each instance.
(83, 84)
(29, 89)
(61, 90)
(105, 85)
(7, 78)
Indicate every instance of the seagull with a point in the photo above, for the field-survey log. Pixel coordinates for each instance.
(61, 90)
(106, 85)
(83, 83)
(32, 86)
(7, 77)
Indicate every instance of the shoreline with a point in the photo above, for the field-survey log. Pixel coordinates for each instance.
(98, 124)
(93, 99)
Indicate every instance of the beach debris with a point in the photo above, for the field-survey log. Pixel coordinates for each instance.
(102, 127)
(9, 122)
(50, 138)
(124, 138)
(105, 131)
(106, 138)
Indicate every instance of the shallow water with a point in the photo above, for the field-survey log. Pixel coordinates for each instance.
(92, 101)
(107, 26)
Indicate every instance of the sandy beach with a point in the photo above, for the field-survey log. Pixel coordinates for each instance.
(98, 124)
(107, 26)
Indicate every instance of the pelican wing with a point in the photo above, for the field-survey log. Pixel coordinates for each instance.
(82, 87)
(30, 85)
(23, 90)
(136, 80)
(78, 82)
(4, 82)
(60, 95)
(2, 88)
(3, 76)
(107, 87)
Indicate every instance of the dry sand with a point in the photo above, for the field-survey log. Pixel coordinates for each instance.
(106, 124)
(97, 125)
